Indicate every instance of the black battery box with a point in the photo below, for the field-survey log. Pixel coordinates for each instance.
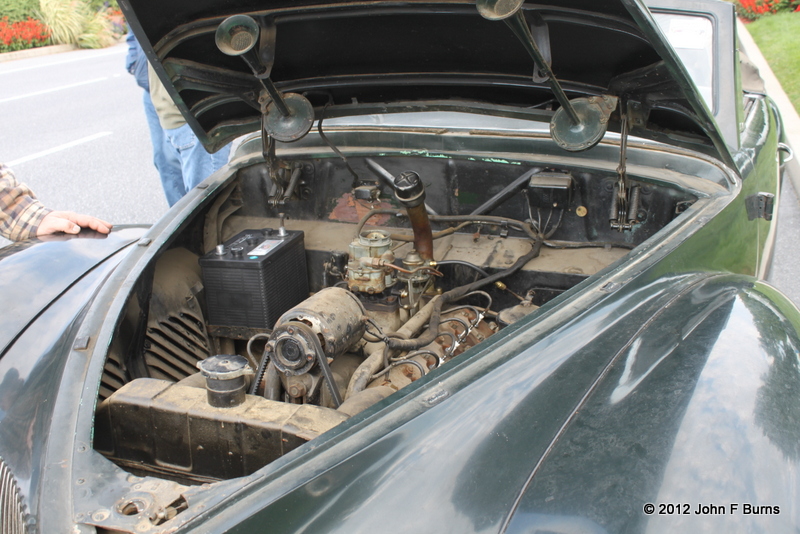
(254, 277)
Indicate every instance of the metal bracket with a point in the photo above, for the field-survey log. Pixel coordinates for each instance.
(783, 147)
(637, 114)
(541, 35)
(760, 206)
(625, 204)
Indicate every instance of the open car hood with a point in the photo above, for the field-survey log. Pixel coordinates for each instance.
(350, 58)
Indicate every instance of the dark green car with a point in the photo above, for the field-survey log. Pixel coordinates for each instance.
(471, 268)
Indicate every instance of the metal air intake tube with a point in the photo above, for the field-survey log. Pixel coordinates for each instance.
(410, 191)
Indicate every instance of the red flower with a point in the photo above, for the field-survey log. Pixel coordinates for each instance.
(22, 34)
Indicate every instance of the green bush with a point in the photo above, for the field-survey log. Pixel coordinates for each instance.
(97, 31)
(97, 5)
(65, 18)
(77, 22)
(19, 10)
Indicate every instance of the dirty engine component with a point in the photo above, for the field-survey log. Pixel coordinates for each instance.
(251, 279)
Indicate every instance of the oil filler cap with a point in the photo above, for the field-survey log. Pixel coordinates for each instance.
(225, 379)
(409, 189)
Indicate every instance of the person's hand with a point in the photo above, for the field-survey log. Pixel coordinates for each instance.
(70, 223)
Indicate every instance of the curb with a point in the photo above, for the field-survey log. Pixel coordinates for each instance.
(35, 52)
(791, 120)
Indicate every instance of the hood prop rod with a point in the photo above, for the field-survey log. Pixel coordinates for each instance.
(625, 204)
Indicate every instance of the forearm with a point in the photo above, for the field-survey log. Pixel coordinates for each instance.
(20, 212)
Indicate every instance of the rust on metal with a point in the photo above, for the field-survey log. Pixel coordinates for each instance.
(423, 236)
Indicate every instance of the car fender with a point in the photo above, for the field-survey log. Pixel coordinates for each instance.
(572, 430)
(692, 428)
(35, 273)
(49, 285)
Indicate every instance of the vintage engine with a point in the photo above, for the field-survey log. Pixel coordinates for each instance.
(327, 357)
(340, 336)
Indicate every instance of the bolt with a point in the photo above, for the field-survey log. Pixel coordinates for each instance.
(297, 390)
(100, 515)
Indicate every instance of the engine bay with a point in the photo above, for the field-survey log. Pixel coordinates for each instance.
(303, 295)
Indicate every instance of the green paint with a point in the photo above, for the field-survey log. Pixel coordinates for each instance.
(467, 197)
(427, 154)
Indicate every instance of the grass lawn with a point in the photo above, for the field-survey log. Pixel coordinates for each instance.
(778, 37)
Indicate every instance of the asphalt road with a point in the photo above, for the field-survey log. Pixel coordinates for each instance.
(73, 128)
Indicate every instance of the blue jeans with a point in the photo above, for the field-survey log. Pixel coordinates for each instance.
(196, 163)
(165, 158)
(179, 157)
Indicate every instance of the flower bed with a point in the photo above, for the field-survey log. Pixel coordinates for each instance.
(754, 9)
(21, 35)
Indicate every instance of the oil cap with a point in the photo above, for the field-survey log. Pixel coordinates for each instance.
(225, 379)
(409, 189)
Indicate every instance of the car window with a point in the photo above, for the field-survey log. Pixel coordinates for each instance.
(692, 37)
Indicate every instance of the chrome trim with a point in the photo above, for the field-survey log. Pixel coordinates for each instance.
(13, 518)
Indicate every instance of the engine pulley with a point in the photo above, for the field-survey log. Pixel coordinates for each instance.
(323, 326)
(292, 349)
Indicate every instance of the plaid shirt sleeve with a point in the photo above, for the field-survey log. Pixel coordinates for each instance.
(20, 212)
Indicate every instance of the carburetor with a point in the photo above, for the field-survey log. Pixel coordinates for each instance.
(368, 270)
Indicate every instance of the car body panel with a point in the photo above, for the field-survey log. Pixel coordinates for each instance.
(313, 53)
(726, 104)
(23, 267)
(582, 435)
(33, 361)
(639, 288)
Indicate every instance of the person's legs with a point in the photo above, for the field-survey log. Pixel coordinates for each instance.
(165, 157)
(196, 163)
